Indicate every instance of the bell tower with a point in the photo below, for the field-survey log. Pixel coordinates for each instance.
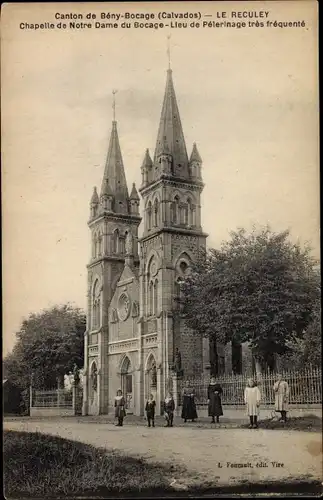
(172, 237)
(114, 219)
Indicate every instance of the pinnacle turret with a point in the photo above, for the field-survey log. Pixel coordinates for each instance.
(195, 155)
(134, 193)
(106, 196)
(195, 163)
(147, 162)
(94, 203)
(95, 197)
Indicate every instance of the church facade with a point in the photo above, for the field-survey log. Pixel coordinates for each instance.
(134, 333)
(135, 337)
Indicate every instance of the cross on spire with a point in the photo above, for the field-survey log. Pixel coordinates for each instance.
(168, 50)
(114, 104)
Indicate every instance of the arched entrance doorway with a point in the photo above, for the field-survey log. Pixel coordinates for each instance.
(151, 377)
(127, 384)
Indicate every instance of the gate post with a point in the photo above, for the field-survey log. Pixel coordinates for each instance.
(176, 393)
(74, 389)
(30, 398)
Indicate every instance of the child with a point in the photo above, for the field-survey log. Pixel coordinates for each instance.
(120, 405)
(150, 410)
(252, 400)
(281, 390)
(169, 407)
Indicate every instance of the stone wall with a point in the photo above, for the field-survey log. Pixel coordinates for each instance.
(40, 411)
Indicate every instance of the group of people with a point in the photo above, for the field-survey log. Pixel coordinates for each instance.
(169, 407)
(252, 399)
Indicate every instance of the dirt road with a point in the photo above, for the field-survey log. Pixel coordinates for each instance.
(223, 456)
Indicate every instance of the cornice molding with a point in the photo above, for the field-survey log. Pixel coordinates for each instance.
(112, 216)
(172, 181)
(174, 230)
(105, 258)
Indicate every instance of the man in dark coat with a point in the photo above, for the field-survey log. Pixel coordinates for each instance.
(214, 400)
(188, 403)
(150, 410)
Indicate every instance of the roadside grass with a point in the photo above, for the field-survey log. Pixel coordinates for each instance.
(39, 466)
(308, 423)
(43, 466)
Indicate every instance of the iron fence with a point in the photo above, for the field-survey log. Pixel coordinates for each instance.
(305, 387)
(60, 398)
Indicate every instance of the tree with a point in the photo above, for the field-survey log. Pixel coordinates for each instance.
(48, 345)
(258, 288)
(313, 340)
(308, 349)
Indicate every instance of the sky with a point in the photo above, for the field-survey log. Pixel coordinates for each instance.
(248, 98)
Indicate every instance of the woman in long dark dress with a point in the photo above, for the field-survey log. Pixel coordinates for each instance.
(214, 394)
(189, 406)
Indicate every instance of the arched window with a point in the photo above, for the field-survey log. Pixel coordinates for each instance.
(175, 210)
(125, 368)
(155, 298)
(193, 215)
(121, 244)
(186, 214)
(98, 312)
(178, 293)
(156, 213)
(100, 244)
(151, 375)
(96, 306)
(149, 215)
(150, 299)
(113, 316)
(126, 381)
(95, 245)
(189, 212)
(135, 309)
(115, 241)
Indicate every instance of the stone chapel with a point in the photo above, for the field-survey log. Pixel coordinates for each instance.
(134, 333)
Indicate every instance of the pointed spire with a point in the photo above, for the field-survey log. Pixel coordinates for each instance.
(170, 132)
(147, 160)
(195, 155)
(114, 171)
(134, 193)
(168, 50)
(95, 197)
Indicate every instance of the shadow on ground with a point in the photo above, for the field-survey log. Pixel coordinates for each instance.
(299, 488)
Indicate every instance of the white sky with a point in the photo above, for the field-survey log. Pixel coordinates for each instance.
(249, 98)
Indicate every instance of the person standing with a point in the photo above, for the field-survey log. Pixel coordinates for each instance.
(252, 398)
(169, 407)
(150, 410)
(214, 394)
(188, 404)
(120, 408)
(281, 390)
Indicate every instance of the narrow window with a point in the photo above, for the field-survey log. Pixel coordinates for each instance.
(156, 213)
(149, 214)
(155, 297)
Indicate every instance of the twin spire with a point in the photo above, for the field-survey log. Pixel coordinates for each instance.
(170, 137)
(114, 195)
(170, 158)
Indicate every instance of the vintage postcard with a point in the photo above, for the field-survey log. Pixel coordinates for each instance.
(161, 249)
